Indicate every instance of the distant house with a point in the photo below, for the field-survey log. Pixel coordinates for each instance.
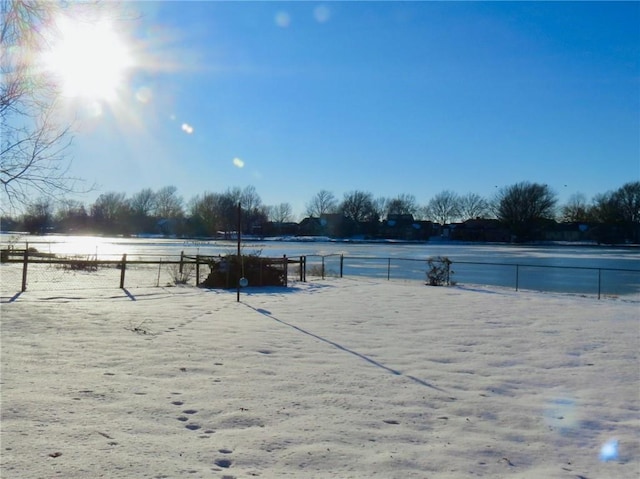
(568, 232)
(337, 225)
(405, 227)
(311, 226)
(480, 229)
(166, 226)
(274, 228)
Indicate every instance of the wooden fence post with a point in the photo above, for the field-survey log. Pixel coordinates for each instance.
(122, 270)
(286, 270)
(197, 269)
(24, 268)
(181, 260)
(159, 270)
(341, 264)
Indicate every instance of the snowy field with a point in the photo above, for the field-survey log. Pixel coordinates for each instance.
(339, 378)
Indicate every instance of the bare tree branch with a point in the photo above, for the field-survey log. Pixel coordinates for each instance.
(34, 157)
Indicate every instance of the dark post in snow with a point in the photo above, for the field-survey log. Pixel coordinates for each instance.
(122, 270)
(239, 259)
(25, 264)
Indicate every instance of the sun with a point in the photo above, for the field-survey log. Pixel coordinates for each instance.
(88, 60)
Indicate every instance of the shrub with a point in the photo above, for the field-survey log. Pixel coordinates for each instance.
(182, 276)
(320, 270)
(439, 272)
(226, 272)
(81, 264)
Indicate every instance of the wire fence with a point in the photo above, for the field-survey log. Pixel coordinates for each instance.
(84, 273)
(19, 271)
(562, 279)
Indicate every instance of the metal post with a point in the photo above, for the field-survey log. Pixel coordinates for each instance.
(517, 276)
(239, 259)
(122, 270)
(322, 269)
(599, 281)
(388, 269)
(341, 264)
(285, 264)
(448, 263)
(24, 268)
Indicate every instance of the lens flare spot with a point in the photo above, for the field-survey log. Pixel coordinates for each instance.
(237, 162)
(609, 451)
(144, 94)
(283, 19)
(322, 14)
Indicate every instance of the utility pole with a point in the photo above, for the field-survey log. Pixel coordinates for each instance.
(239, 257)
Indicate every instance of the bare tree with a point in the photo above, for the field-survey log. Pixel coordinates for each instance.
(604, 208)
(524, 207)
(402, 205)
(33, 149)
(359, 206)
(110, 211)
(69, 207)
(218, 212)
(628, 199)
(471, 206)
(38, 215)
(205, 213)
(71, 216)
(250, 199)
(322, 203)
(379, 207)
(168, 204)
(575, 209)
(143, 203)
(443, 208)
(281, 213)
(254, 212)
(620, 206)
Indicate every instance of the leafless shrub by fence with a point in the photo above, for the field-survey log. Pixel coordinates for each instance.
(321, 271)
(80, 264)
(181, 273)
(439, 272)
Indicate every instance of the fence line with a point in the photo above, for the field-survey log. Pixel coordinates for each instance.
(401, 268)
(51, 270)
(569, 279)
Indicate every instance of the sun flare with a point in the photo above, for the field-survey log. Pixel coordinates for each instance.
(88, 60)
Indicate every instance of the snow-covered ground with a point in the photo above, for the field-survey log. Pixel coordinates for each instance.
(339, 378)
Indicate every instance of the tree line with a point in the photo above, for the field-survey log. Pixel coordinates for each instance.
(524, 209)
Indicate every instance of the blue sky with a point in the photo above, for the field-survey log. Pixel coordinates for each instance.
(386, 97)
